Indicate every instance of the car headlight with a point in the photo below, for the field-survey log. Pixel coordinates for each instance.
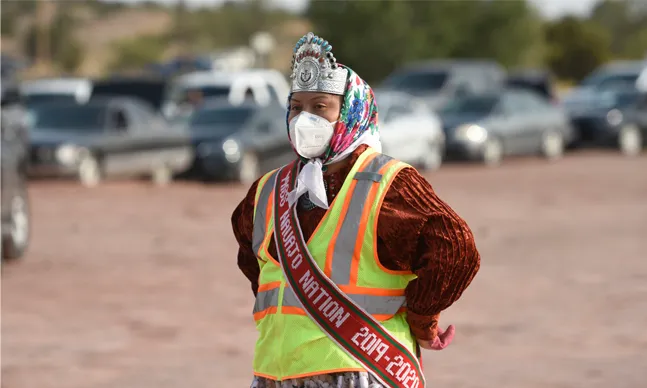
(471, 132)
(230, 147)
(67, 154)
(614, 117)
(232, 150)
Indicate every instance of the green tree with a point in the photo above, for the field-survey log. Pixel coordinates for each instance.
(626, 21)
(66, 51)
(376, 37)
(372, 37)
(576, 47)
(137, 52)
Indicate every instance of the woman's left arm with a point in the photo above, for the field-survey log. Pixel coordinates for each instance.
(443, 256)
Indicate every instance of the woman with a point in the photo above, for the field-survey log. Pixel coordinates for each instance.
(405, 241)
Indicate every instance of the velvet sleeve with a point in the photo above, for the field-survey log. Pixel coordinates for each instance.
(242, 222)
(422, 234)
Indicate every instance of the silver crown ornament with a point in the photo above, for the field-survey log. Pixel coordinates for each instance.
(314, 67)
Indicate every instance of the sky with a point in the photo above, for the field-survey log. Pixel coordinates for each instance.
(549, 8)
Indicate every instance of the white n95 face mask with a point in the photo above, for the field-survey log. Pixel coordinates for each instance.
(310, 134)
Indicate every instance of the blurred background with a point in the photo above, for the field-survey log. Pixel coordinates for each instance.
(132, 129)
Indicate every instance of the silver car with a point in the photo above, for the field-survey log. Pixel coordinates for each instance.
(106, 137)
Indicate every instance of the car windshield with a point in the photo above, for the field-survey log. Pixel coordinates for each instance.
(480, 105)
(151, 92)
(196, 94)
(221, 117)
(48, 97)
(417, 81)
(68, 117)
(608, 80)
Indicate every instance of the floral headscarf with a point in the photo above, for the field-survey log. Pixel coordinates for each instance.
(357, 121)
(357, 125)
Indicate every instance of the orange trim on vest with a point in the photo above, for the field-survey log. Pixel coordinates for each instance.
(354, 266)
(268, 216)
(353, 289)
(269, 286)
(379, 206)
(342, 215)
(261, 314)
(291, 310)
(311, 373)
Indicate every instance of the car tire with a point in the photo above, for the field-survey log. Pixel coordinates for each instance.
(162, 175)
(432, 159)
(89, 171)
(630, 141)
(552, 145)
(492, 152)
(16, 241)
(248, 169)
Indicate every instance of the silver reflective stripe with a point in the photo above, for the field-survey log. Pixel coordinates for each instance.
(266, 299)
(368, 176)
(347, 237)
(372, 304)
(260, 212)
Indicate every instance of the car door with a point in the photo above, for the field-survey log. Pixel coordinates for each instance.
(157, 144)
(507, 123)
(120, 150)
(10, 174)
(536, 118)
(399, 136)
(641, 113)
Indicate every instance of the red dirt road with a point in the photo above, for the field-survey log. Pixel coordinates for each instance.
(131, 286)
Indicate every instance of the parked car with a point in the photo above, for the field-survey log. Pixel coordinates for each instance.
(239, 142)
(56, 89)
(615, 75)
(263, 86)
(105, 138)
(409, 130)
(612, 118)
(151, 89)
(16, 217)
(489, 126)
(540, 81)
(440, 81)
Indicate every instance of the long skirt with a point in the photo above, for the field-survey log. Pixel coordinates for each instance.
(332, 380)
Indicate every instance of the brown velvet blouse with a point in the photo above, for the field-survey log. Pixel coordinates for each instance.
(416, 232)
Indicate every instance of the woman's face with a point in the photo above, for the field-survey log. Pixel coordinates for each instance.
(324, 105)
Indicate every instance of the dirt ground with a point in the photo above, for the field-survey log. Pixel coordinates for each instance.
(132, 286)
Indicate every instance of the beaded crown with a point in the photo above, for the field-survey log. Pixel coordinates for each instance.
(314, 67)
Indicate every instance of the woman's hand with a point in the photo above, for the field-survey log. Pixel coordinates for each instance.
(442, 340)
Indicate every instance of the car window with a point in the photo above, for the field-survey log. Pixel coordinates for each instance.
(417, 81)
(531, 103)
(398, 110)
(144, 116)
(118, 120)
(151, 92)
(511, 104)
(55, 117)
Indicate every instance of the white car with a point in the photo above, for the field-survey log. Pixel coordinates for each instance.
(264, 86)
(409, 130)
(56, 89)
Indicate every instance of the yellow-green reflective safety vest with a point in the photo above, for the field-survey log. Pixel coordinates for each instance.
(344, 246)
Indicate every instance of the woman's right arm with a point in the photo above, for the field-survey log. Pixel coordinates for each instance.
(242, 222)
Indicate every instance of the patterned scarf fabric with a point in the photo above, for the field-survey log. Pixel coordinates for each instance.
(357, 123)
